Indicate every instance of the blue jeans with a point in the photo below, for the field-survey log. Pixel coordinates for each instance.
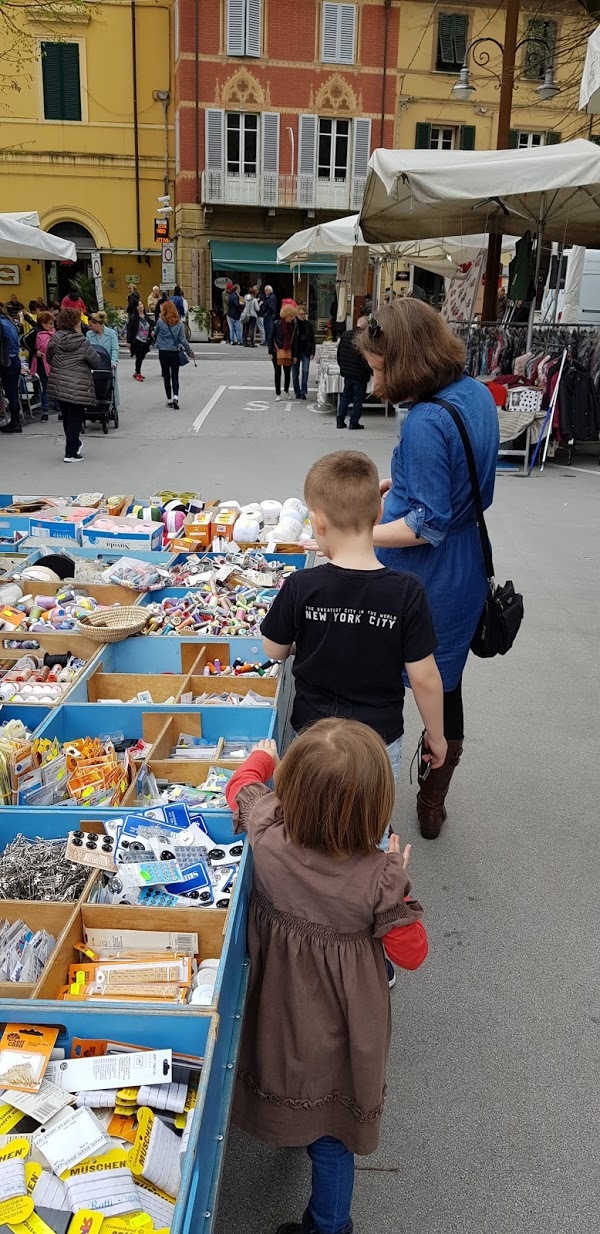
(269, 321)
(395, 756)
(9, 376)
(332, 1186)
(354, 393)
(235, 330)
(300, 366)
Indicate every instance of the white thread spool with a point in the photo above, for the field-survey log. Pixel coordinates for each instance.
(271, 511)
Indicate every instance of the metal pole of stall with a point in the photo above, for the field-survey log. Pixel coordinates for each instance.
(538, 262)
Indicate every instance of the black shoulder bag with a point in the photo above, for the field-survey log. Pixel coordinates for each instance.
(503, 610)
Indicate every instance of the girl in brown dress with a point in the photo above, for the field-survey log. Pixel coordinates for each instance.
(317, 1027)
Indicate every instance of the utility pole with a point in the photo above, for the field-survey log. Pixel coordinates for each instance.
(494, 257)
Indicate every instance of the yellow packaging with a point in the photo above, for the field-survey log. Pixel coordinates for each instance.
(33, 1172)
(224, 523)
(9, 1117)
(86, 1221)
(14, 1212)
(32, 1225)
(114, 1159)
(25, 1051)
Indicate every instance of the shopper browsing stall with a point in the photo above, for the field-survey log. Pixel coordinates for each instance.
(139, 336)
(170, 339)
(105, 339)
(324, 899)
(10, 369)
(39, 363)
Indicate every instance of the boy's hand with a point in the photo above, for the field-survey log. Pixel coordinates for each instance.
(395, 848)
(269, 747)
(385, 486)
(437, 749)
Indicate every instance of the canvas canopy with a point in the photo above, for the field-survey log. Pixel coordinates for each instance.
(20, 239)
(338, 237)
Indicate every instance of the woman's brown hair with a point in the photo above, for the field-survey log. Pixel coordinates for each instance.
(68, 319)
(336, 788)
(169, 313)
(421, 354)
(45, 319)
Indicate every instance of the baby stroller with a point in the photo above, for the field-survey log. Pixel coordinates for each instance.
(105, 409)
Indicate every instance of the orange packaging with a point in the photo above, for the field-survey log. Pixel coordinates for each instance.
(224, 523)
(25, 1051)
(200, 530)
(11, 615)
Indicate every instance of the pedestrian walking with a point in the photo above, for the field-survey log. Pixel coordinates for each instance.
(104, 338)
(170, 339)
(133, 298)
(235, 305)
(268, 311)
(139, 337)
(326, 907)
(429, 524)
(280, 346)
(39, 363)
(357, 375)
(71, 360)
(303, 350)
(249, 317)
(10, 369)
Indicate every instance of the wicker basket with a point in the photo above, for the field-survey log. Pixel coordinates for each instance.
(112, 625)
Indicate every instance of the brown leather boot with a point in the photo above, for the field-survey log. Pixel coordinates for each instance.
(432, 793)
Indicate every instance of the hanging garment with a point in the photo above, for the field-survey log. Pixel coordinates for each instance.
(579, 406)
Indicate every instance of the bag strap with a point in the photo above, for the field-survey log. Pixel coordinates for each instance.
(475, 489)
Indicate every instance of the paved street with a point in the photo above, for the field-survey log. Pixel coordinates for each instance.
(491, 1124)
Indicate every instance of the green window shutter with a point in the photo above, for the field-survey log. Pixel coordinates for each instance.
(513, 138)
(422, 137)
(552, 139)
(595, 137)
(536, 58)
(452, 41)
(460, 28)
(61, 81)
(467, 137)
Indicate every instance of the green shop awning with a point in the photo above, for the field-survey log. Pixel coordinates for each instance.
(228, 255)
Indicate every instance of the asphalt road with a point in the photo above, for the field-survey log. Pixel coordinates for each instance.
(492, 1114)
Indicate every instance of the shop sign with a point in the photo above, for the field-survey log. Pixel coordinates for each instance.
(9, 275)
(132, 278)
(161, 230)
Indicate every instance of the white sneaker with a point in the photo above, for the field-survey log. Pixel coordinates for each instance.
(78, 458)
(277, 398)
(176, 404)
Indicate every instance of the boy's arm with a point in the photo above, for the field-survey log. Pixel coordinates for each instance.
(426, 685)
(279, 626)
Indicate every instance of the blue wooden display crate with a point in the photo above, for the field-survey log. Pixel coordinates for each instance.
(32, 717)
(70, 720)
(195, 1034)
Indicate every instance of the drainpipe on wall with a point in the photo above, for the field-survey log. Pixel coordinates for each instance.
(136, 136)
(386, 32)
(197, 99)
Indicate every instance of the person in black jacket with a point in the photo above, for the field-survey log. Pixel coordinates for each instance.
(234, 313)
(303, 350)
(267, 312)
(357, 375)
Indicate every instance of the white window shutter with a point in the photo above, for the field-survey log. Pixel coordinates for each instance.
(236, 27)
(347, 24)
(253, 27)
(361, 151)
(329, 50)
(270, 158)
(176, 29)
(177, 145)
(307, 156)
(213, 154)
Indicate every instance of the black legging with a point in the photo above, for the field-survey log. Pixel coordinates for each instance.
(169, 367)
(454, 720)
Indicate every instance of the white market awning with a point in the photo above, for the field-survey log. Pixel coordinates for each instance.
(28, 242)
(589, 94)
(418, 193)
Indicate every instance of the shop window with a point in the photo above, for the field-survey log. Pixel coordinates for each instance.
(451, 42)
(333, 148)
(339, 25)
(61, 81)
(241, 143)
(538, 58)
(244, 23)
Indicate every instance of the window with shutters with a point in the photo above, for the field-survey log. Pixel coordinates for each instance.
(333, 148)
(244, 27)
(339, 33)
(443, 138)
(537, 57)
(241, 143)
(528, 141)
(61, 81)
(453, 29)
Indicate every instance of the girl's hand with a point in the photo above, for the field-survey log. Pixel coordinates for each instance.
(269, 747)
(395, 848)
(385, 486)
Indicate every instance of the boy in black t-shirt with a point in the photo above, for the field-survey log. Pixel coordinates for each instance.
(353, 624)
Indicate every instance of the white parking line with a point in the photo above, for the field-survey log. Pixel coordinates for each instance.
(311, 388)
(584, 471)
(206, 410)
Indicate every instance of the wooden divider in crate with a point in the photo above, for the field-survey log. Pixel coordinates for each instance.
(104, 593)
(54, 918)
(125, 687)
(209, 924)
(265, 686)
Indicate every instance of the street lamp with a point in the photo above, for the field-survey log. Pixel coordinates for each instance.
(463, 90)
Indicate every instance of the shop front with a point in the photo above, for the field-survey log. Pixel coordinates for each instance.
(255, 264)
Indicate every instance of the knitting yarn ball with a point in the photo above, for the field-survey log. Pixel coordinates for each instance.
(246, 529)
(10, 594)
(148, 514)
(287, 530)
(293, 504)
(229, 505)
(254, 511)
(173, 521)
(271, 511)
(172, 506)
(40, 574)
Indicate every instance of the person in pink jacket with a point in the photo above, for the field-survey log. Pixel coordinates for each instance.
(39, 363)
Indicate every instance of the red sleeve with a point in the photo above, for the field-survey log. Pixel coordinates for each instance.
(406, 946)
(257, 769)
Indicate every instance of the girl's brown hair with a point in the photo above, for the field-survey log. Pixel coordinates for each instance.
(336, 788)
(421, 354)
(45, 319)
(169, 313)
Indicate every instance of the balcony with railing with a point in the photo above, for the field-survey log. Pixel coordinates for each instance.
(282, 192)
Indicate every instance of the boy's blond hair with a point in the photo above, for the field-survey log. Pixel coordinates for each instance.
(345, 488)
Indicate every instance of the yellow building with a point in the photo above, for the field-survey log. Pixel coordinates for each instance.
(86, 138)
(433, 41)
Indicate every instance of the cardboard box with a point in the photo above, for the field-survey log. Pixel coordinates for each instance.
(126, 533)
(64, 523)
(224, 523)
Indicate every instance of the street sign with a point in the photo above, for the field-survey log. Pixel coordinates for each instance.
(168, 264)
(161, 230)
(97, 277)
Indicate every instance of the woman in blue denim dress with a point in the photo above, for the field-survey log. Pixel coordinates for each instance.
(429, 525)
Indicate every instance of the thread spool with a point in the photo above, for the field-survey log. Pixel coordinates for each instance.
(271, 511)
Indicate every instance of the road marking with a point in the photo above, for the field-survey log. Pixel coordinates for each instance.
(256, 406)
(311, 388)
(584, 471)
(206, 410)
(288, 407)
